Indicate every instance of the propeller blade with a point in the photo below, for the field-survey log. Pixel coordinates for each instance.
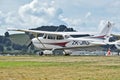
(29, 44)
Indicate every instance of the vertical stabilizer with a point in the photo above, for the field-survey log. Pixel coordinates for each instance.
(106, 30)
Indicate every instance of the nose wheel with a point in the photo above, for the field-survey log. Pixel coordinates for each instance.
(41, 53)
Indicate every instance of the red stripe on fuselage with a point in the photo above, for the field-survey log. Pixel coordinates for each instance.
(60, 44)
(102, 37)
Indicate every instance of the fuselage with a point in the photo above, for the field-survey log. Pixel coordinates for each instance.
(48, 41)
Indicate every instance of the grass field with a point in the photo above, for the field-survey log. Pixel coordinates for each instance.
(60, 68)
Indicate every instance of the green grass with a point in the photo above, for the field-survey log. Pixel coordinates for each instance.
(60, 68)
(9, 64)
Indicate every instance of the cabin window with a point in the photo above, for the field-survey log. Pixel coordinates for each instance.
(45, 36)
(40, 35)
(60, 37)
(51, 37)
(81, 35)
(67, 36)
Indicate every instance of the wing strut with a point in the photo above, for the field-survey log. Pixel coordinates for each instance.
(39, 40)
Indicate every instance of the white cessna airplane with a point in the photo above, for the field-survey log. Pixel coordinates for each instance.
(64, 41)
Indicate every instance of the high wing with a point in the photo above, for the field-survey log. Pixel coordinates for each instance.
(37, 32)
(55, 33)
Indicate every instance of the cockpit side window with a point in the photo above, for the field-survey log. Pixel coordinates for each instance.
(59, 37)
(53, 37)
(81, 35)
(45, 36)
(49, 36)
(67, 36)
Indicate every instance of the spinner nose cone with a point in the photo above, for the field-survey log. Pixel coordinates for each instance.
(34, 40)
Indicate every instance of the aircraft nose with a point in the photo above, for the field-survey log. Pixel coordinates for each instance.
(34, 40)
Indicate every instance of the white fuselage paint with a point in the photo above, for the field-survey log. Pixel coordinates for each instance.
(70, 43)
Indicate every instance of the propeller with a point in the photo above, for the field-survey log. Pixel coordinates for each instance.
(29, 44)
(31, 36)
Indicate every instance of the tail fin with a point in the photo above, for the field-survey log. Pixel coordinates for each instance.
(105, 31)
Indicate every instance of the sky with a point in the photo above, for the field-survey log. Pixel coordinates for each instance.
(82, 15)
